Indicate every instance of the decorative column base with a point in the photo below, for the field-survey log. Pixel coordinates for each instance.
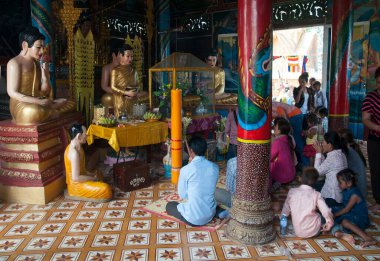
(251, 223)
(251, 207)
(338, 122)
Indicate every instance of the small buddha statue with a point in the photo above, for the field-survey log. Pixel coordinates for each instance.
(221, 98)
(81, 184)
(28, 83)
(124, 82)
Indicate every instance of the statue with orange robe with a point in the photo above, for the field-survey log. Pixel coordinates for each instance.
(82, 185)
(28, 83)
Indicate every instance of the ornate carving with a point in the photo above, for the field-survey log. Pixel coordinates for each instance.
(18, 129)
(55, 170)
(198, 23)
(23, 156)
(126, 26)
(291, 12)
(253, 213)
(250, 234)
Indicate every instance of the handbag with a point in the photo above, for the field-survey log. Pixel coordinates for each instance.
(131, 175)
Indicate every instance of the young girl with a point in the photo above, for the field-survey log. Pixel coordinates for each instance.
(311, 137)
(356, 161)
(352, 215)
(282, 159)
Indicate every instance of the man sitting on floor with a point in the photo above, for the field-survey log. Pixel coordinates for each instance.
(197, 182)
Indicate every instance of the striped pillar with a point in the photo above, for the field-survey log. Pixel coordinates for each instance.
(342, 28)
(40, 13)
(163, 14)
(251, 211)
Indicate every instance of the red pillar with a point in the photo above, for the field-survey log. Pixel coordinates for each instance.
(342, 27)
(251, 211)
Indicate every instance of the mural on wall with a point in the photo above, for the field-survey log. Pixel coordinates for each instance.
(359, 61)
(365, 58)
(228, 50)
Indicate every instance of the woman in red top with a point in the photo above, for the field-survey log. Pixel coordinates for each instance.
(371, 119)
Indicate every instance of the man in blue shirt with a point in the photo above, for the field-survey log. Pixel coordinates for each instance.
(197, 183)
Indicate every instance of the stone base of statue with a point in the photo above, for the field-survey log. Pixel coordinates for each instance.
(32, 169)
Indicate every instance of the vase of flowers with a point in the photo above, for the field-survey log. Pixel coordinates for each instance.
(222, 141)
(167, 160)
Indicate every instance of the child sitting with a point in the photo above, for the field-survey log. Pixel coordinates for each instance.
(311, 137)
(352, 215)
(303, 202)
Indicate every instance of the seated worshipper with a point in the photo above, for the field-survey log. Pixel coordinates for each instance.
(352, 215)
(282, 158)
(356, 160)
(28, 83)
(303, 202)
(197, 182)
(330, 165)
(81, 185)
(231, 133)
(224, 196)
(124, 82)
(295, 118)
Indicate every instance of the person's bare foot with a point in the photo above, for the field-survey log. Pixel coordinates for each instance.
(347, 237)
(368, 241)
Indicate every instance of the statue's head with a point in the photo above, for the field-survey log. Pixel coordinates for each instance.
(212, 58)
(78, 131)
(125, 54)
(32, 42)
(115, 45)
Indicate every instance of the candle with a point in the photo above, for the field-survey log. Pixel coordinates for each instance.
(176, 133)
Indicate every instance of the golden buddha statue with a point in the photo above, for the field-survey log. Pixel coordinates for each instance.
(221, 98)
(82, 185)
(107, 98)
(124, 82)
(28, 83)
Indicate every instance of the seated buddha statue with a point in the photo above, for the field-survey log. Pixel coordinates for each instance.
(124, 82)
(221, 98)
(107, 98)
(28, 83)
(82, 185)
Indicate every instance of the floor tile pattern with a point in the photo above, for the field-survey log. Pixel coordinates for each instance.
(121, 230)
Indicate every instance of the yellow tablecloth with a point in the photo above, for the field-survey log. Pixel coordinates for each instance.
(141, 134)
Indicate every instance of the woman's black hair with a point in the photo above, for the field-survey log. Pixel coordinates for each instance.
(30, 35)
(285, 128)
(347, 135)
(75, 129)
(347, 175)
(338, 143)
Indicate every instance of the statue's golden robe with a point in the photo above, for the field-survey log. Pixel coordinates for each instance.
(123, 80)
(24, 113)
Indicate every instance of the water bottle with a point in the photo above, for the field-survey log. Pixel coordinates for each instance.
(283, 224)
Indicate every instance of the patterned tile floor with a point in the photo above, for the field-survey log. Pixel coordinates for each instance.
(119, 230)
